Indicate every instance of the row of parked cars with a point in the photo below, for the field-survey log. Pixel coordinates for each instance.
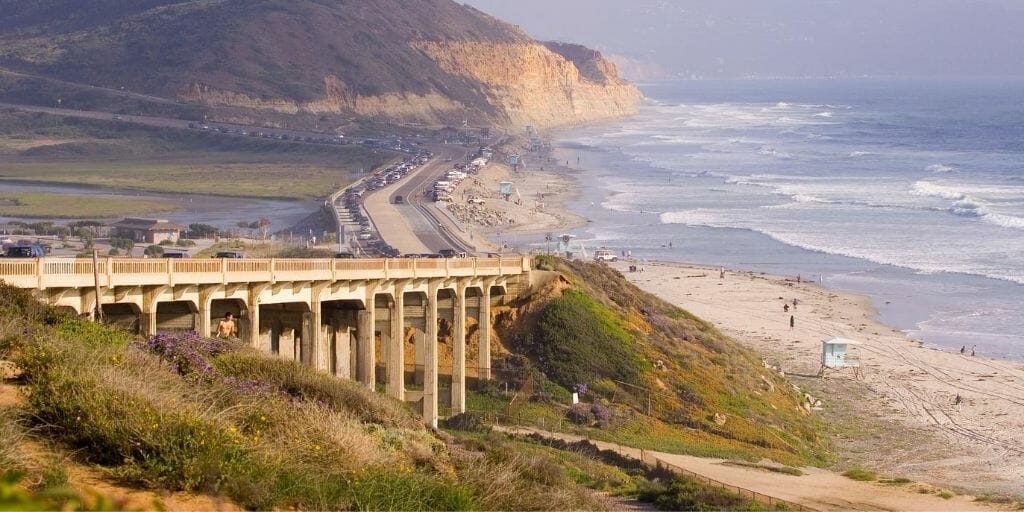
(352, 200)
(267, 134)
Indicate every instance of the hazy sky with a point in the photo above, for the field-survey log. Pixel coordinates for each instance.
(787, 37)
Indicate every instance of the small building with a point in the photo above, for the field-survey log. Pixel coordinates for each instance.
(833, 355)
(150, 231)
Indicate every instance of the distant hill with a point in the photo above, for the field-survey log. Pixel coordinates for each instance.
(431, 61)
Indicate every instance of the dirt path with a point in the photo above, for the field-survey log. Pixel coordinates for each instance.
(816, 489)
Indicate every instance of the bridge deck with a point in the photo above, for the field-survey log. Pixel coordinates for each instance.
(47, 273)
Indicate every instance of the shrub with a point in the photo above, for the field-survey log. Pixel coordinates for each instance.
(684, 494)
(184, 242)
(153, 251)
(580, 340)
(468, 422)
(602, 415)
(860, 474)
(578, 414)
(166, 243)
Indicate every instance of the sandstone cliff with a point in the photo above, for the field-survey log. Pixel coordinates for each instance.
(428, 61)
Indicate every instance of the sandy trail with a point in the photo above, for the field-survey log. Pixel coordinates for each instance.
(817, 489)
(907, 385)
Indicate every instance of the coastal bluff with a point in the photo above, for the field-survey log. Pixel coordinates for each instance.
(432, 62)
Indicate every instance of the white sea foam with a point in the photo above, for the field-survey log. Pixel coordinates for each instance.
(858, 154)
(939, 168)
(823, 114)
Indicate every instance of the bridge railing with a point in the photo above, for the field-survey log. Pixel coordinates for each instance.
(79, 273)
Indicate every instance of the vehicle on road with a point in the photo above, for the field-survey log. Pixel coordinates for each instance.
(448, 253)
(399, 200)
(344, 256)
(476, 200)
(24, 251)
(605, 255)
(174, 255)
(230, 255)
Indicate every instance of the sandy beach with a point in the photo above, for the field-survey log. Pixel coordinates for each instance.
(900, 417)
(539, 207)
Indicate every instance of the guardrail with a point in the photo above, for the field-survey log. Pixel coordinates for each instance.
(76, 273)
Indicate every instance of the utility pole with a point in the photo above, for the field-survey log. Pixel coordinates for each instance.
(98, 314)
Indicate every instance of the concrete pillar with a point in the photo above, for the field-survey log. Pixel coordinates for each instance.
(149, 305)
(252, 307)
(396, 352)
(366, 365)
(204, 325)
(342, 336)
(484, 321)
(459, 351)
(430, 412)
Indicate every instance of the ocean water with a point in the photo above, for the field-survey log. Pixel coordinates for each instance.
(911, 191)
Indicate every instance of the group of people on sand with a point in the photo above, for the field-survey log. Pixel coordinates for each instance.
(785, 309)
(963, 350)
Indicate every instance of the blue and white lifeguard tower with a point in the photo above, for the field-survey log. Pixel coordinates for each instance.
(833, 356)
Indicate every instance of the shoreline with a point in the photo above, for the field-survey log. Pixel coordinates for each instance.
(901, 417)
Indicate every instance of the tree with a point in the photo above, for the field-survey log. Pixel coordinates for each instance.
(124, 244)
(87, 236)
(263, 225)
(201, 231)
(154, 251)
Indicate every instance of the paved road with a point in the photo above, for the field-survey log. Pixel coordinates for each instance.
(168, 122)
(410, 227)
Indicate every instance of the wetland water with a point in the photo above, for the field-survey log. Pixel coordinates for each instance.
(223, 212)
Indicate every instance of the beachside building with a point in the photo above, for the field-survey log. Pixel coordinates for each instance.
(151, 231)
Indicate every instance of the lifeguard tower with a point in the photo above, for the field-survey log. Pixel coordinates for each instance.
(833, 356)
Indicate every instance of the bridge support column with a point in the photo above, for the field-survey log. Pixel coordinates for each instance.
(484, 323)
(320, 356)
(149, 308)
(342, 335)
(253, 309)
(459, 350)
(366, 365)
(430, 409)
(205, 324)
(396, 352)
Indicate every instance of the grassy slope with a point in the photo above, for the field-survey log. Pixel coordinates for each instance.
(220, 419)
(67, 206)
(599, 330)
(44, 148)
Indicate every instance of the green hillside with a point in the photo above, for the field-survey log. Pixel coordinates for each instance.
(668, 380)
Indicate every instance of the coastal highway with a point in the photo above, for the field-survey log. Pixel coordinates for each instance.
(412, 227)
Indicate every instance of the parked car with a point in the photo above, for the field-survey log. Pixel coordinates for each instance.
(476, 200)
(174, 254)
(448, 253)
(344, 255)
(24, 251)
(399, 200)
(230, 255)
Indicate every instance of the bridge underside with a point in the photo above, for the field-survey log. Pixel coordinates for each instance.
(418, 340)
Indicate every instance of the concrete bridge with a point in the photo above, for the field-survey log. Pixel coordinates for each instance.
(360, 319)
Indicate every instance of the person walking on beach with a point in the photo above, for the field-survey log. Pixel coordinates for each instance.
(963, 350)
(792, 321)
(972, 349)
(958, 402)
(785, 308)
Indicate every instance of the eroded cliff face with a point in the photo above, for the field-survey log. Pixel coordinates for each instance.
(523, 83)
(532, 85)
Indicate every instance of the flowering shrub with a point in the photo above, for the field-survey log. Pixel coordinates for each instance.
(603, 415)
(187, 351)
(578, 414)
(191, 354)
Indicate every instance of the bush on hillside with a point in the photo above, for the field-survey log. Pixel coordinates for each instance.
(578, 340)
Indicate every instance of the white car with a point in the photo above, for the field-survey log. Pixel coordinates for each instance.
(476, 200)
(605, 255)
